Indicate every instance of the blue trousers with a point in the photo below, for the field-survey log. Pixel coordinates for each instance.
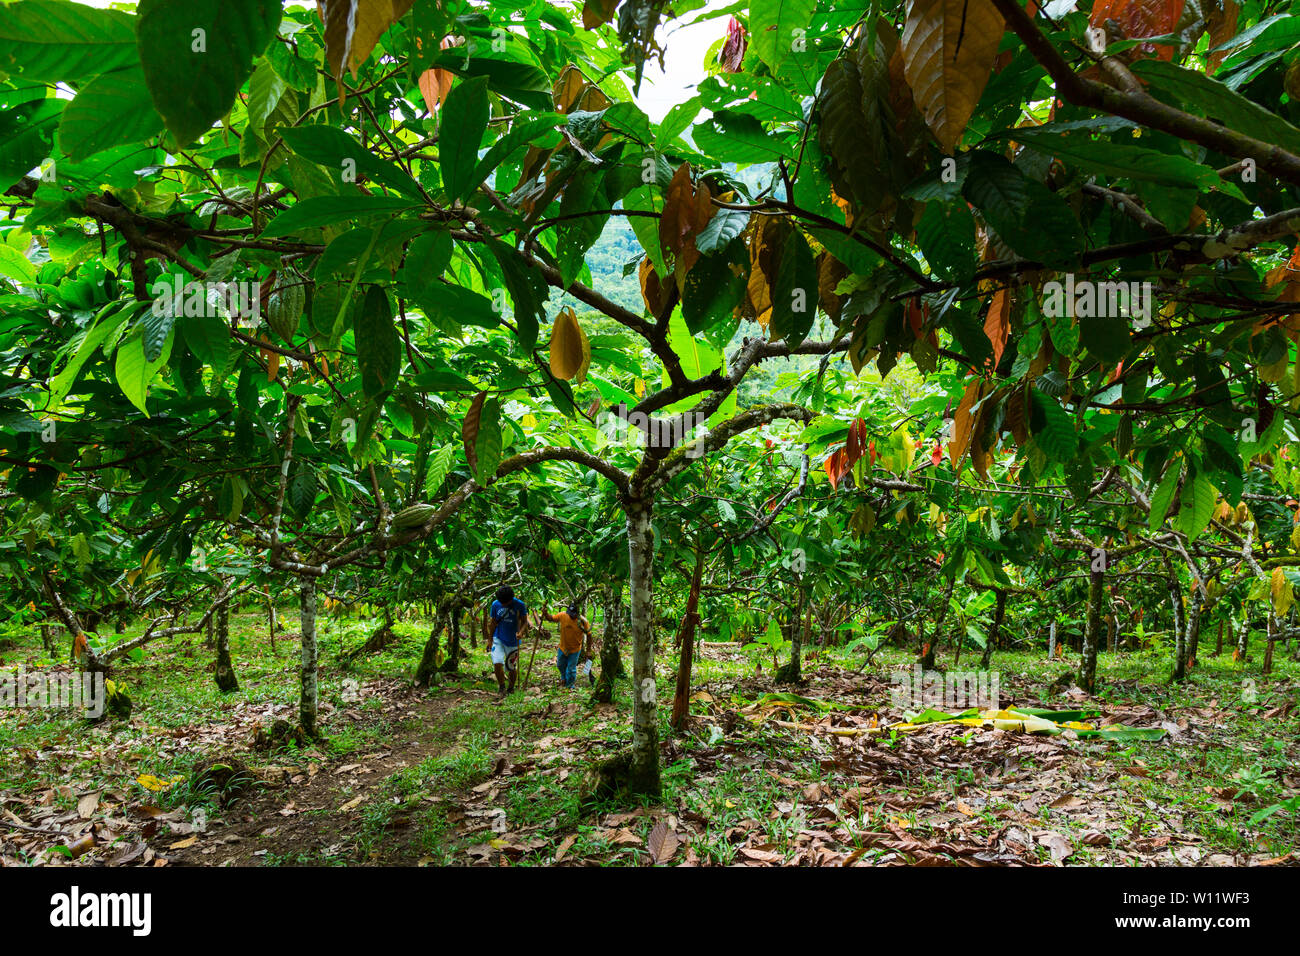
(568, 665)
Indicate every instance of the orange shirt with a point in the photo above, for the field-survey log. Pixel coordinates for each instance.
(571, 630)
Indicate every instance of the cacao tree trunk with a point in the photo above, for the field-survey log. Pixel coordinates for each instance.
(427, 672)
(271, 623)
(995, 632)
(682, 696)
(611, 664)
(792, 672)
(643, 776)
(1243, 635)
(1194, 617)
(1092, 632)
(226, 680)
(1182, 647)
(310, 677)
(452, 664)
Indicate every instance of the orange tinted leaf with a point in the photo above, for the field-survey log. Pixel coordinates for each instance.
(1141, 18)
(997, 324)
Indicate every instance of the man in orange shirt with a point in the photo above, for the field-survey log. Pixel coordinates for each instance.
(573, 627)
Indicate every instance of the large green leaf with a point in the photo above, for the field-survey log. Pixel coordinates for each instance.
(346, 158)
(488, 442)
(1197, 505)
(1163, 495)
(740, 138)
(794, 291)
(1052, 428)
(330, 210)
(378, 345)
(197, 54)
(26, 137)
(779, 28)
(134, 372)
(1027, 216)
(464, 119)
(53, 40)
(1119, 160)
(110, 110)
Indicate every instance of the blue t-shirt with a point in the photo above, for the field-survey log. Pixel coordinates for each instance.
(507, 618)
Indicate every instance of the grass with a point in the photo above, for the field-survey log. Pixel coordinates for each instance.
(1213, 787)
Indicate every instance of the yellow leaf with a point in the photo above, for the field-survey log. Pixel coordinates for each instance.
(570, 350)
(182, 844)
(1281, 593)
(152, 783)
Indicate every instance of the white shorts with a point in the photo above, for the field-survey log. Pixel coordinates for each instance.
(501, 654)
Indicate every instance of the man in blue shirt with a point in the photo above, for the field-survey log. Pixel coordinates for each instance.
(509, 621)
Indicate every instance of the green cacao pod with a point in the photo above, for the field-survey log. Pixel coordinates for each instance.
(284, 306)
(413, 516)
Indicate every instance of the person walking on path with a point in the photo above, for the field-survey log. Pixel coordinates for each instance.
(573, 629)
(508, 621)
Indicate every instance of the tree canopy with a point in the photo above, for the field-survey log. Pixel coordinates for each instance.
(951, 293)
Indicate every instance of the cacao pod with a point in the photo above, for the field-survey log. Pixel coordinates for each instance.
(284, 306)
(413, 516)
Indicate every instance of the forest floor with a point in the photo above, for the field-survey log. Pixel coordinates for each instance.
(450, 775)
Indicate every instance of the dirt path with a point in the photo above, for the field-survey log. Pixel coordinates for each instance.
(316, 814)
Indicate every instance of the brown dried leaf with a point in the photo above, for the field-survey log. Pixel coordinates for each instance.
(948, 51)
(662, 842)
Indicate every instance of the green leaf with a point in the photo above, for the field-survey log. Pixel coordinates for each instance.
(27, 136)
(487, 444)
(378, 345)
(1163, 496)
(794, 291)
(209, 339)
(1052, 428)
(110, 110)
(346, 158)
(52, 40)
(134, 372)
(156, 325)
(427, 258)
(773, 25)
(464, 120)
(329, 210)
(457, 304)
(577, 234)
(197, 54)
(946, 235)
(697, 358)
(678, 120)
(440, 463)
(1217, 101)
(1118, 160)
(740, 138)
(1027, 216)
(1197, 506)
(718, 232)
(527, 289)
(109, 320)
(15, 265)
